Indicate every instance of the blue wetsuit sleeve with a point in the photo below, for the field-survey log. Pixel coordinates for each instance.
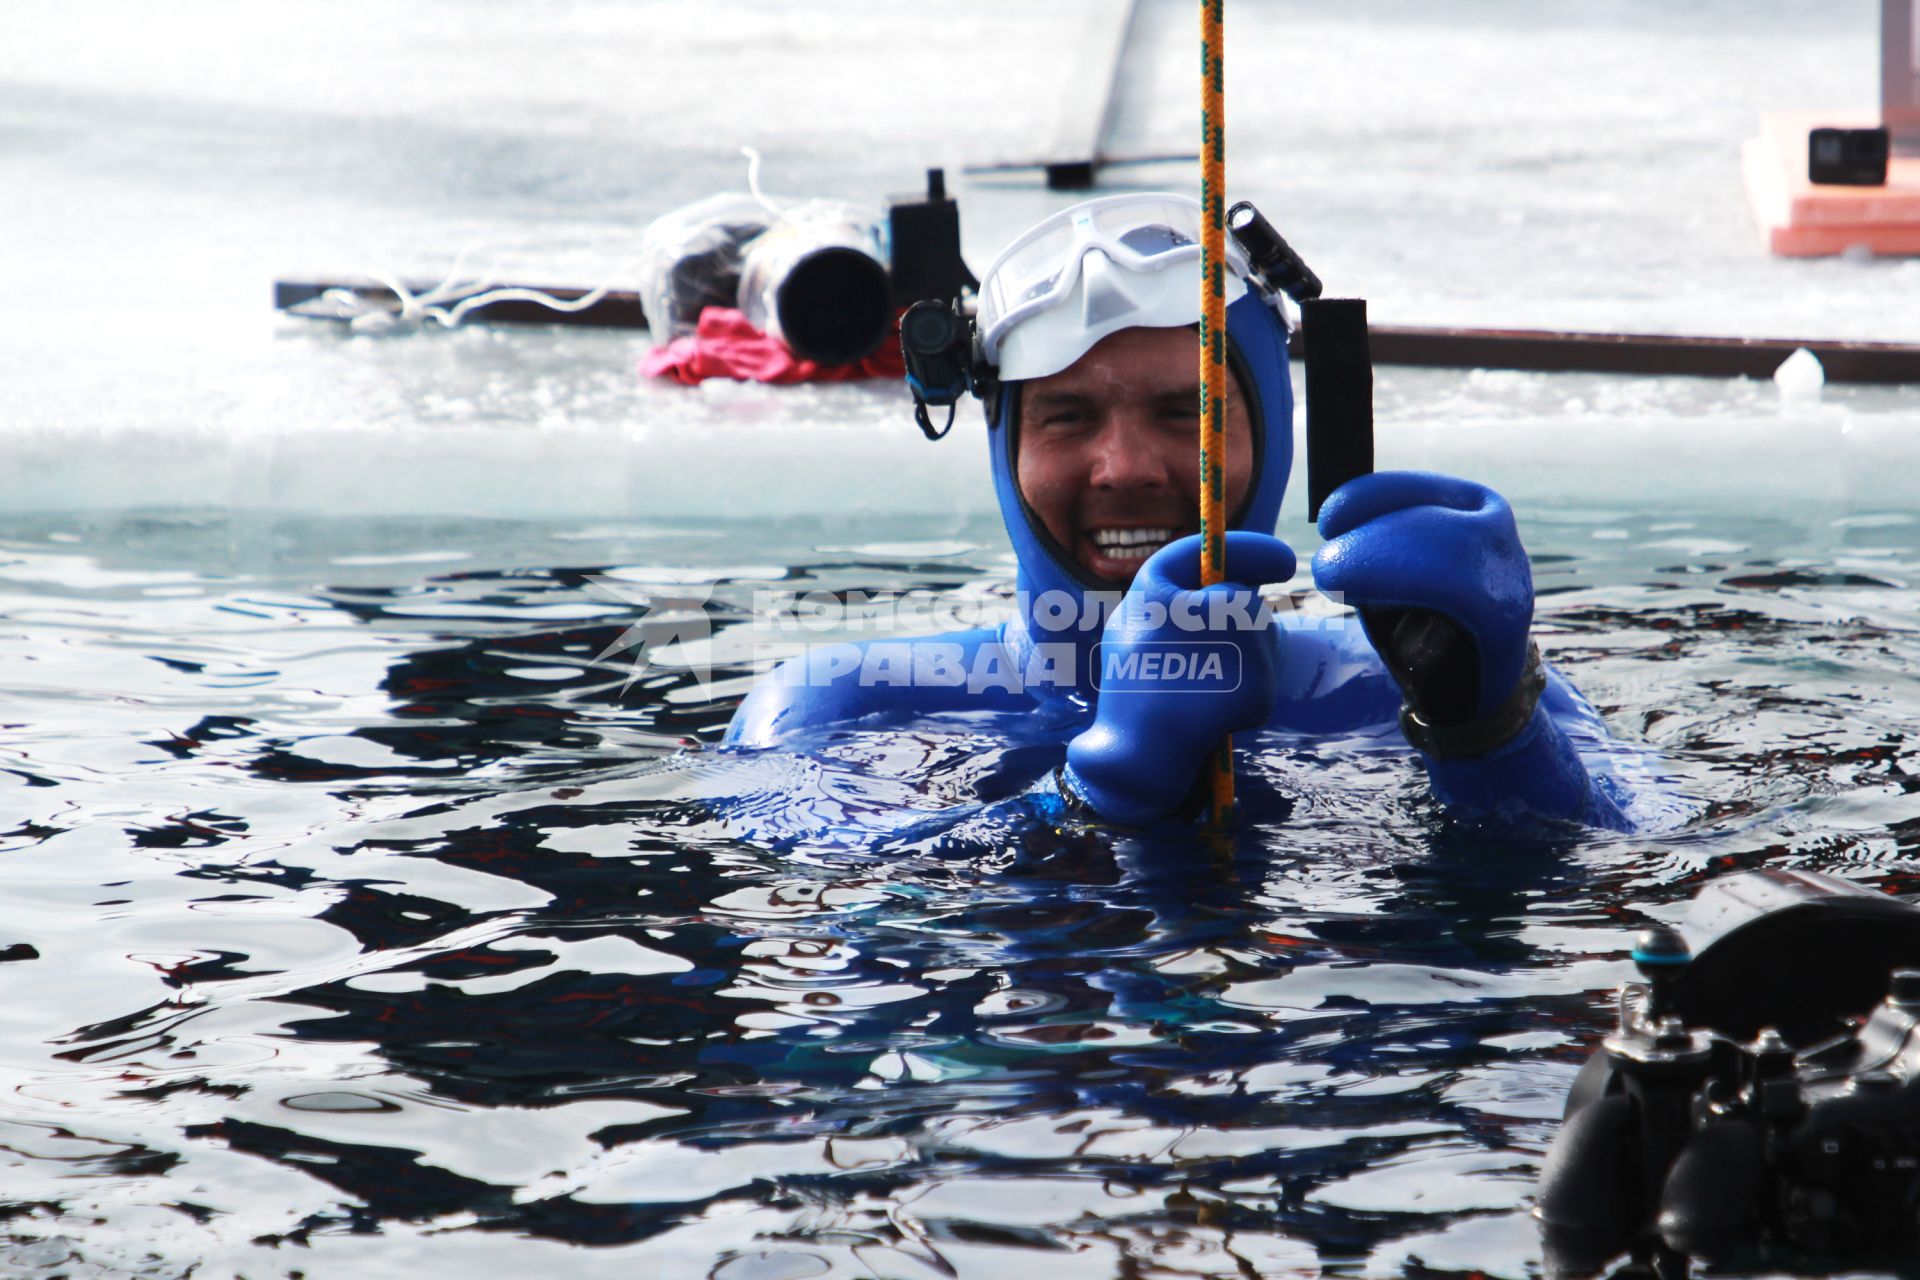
(1538, 773)
(1435, 569)
(1564, 764)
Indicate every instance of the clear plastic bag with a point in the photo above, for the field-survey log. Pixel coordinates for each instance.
(813, 274)
(690, 260)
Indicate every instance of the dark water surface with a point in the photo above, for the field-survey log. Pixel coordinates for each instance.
(362, 924)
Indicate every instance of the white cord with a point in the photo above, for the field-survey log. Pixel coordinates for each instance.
(464, 296)
(753, 183)
(518, 293)
(362, 313)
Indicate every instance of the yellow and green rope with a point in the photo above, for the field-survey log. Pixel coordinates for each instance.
(1213, 342)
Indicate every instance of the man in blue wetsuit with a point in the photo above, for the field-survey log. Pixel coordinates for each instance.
(1087, 324)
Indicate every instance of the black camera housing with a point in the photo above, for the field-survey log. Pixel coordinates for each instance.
(1702, 1130)
(1848, 157)
(924, 233)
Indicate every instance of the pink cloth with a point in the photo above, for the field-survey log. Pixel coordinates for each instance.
(726, 346)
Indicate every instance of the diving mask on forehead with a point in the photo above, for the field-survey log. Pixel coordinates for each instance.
(1118, 262)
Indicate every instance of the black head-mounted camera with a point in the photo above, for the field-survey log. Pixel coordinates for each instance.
(937, 341)
(931, 279)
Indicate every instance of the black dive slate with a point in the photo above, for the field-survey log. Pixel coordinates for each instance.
(1339, 395)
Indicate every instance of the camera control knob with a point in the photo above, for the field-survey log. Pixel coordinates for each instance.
(1904, 992)
(1662, 956)
(1772, 1055)
(1715, 1098)
(1671, 1034)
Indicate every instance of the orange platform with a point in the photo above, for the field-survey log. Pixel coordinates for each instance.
(1800, 220)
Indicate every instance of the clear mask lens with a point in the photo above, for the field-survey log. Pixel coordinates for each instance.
(1152, 241)
(1147, 233)
(1150, 227)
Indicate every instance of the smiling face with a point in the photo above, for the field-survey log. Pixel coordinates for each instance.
(1109, 450)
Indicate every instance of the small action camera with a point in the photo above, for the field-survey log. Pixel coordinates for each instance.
(1848, 157)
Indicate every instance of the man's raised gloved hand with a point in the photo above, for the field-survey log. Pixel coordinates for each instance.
(1434, 565)
(1179, 667)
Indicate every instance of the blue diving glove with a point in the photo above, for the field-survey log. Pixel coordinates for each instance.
(1434, 565)
(1178, 668)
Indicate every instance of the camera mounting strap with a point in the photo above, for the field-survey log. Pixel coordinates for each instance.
(1493, 730)
(926, 423)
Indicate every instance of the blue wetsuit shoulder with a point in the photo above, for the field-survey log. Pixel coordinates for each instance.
(894, 679)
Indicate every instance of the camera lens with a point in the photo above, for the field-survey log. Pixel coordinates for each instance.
(928, 327)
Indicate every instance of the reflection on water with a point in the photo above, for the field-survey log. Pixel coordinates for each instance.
(359, 919)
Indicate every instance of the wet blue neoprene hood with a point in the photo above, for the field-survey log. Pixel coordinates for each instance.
(1257, 352)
